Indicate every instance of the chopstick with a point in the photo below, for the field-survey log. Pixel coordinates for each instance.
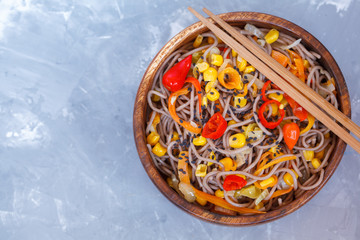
(291, 78)
(277, 76)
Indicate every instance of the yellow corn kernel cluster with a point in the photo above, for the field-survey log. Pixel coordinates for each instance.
(309, 155)
(199, 141)
(159, 150)
(201, 170)
(239, 102)
(275, 96)
(237, 140)
(198, 41)
(231, 122)
(210, 74)
(272, 36)
(315, 163)
(217, 59)
(153, 138)
(219, 193)
(249, 69)
(175, 136)
(288, 179)
(241, 63)
(269, 182)
(213, 94)
(229, 164)
(202, 67)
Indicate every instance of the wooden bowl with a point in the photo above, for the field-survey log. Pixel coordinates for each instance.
(189, 34)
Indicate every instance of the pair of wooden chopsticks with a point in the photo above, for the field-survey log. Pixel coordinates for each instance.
(284, 79)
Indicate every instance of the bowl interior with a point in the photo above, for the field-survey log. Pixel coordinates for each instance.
(187, 35)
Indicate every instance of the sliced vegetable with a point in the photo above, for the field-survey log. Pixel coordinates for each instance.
(280, 58)
(233, 182)
(183, 167)
(174, 79)
(281, 192)
(300, 68)
(249, 191)
(190, 126)
(262, 196)
(291, 133)
(311, 121)
(263, 91)
(264, 121)
(197, 86)
(273, 162)
(230, 78)
(298, 110)
(229, 164)
(269, 182)
(215, 127)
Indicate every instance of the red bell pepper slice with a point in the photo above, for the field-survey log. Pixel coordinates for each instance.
(264, 121)
(215, 127)
(298, 110)
(233, 182)
(174, 79)
(263, 91)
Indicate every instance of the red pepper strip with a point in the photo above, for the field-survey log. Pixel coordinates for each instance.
(174, 79)
(298, 110)
(264, 122)
(215, 127)
(192, 127)
(233, 182)
(291, 133)
(197, 86)
(263, 91)
(218, 201)
(300, 68)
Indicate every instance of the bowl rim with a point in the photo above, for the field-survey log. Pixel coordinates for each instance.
(140, 107)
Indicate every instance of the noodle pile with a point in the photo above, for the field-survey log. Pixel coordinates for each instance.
(264, 147)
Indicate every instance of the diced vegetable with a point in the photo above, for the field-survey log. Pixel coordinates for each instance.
(215, 127)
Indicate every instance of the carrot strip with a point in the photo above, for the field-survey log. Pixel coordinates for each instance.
(279, 160)
(281, 192)
(300, 68)
(280, 58)
(183, 167)
(197, 86)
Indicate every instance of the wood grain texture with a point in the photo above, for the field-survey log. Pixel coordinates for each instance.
(188, 34)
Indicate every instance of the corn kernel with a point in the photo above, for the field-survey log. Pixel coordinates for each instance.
(212, 156)
(213, 94)
(210, 85)
(199, 141)
(219, 193)
(306, 64)
(201, 201)
(315, 163)
(275, 96)
(204, 101)
(288, 179)
(269, 182)
(153, 138)
(249, 69)
(241, 175)
(155, 98)
(237, 140)
(327, 135)
(241, 63)
(259, 206)
(201, 170)
(320, 155)
(203, 66)
(210, 40)
(231, 122)
(210, 74)
(309, 155)
(159, 150)
(229, 164)
(233, 53)
(198, 41)
(255, 89)
(284, 102)
(272, 36)
(275, 109)
(175, 136)
(217, 59)
(239, 102)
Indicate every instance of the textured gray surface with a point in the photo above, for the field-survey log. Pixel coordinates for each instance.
(68, 164)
